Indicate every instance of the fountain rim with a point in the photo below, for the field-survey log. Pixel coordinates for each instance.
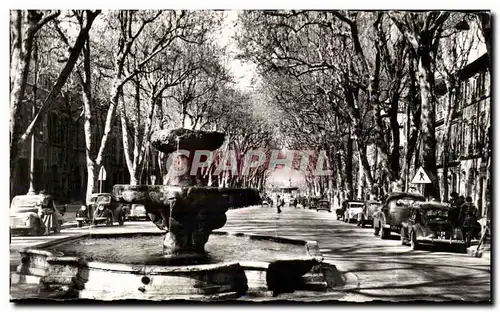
(311, 248)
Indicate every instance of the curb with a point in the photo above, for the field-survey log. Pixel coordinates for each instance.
(69, 225)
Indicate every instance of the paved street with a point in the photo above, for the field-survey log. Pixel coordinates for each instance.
(385, 270)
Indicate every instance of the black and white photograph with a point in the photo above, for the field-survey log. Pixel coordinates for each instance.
(244, 156)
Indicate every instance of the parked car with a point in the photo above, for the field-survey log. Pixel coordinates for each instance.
(353, 209)
(301, 201)
(28, 214)
(429, 224)
(83, 216)
(341, 211)
(313, 203)
(104, 209)
(324, 205)
(137, 212)
(369, 209)
(394, 213)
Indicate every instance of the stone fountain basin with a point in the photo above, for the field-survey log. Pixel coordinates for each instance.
(99, 280)
(194, 196)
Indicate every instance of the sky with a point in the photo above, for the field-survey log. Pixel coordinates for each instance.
(244, 73)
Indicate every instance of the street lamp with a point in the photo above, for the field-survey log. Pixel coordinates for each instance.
(31, 190)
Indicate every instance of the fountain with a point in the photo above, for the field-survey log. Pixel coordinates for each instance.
(185, 205)
(186, 212)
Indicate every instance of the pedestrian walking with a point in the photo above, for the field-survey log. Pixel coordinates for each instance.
(454, 214)
(468, 218)
(453, 198)
(279, 203)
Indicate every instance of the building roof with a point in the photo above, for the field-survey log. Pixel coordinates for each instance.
(480, 64)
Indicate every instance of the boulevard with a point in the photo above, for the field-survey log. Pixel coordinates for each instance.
(378, 269)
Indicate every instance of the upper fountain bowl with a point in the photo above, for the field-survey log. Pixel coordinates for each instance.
(166, 140)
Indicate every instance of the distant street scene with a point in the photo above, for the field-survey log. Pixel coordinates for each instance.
(250, 155)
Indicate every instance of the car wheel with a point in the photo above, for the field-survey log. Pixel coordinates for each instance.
(403, 237)
(385, 233)
(414, 244)
(80, 224)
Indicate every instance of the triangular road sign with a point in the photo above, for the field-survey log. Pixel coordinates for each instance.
(421, 177)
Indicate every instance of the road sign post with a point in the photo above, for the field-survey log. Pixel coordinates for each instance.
(102, 177)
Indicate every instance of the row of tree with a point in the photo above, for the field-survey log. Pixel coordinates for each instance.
(146, 70)
(338, 80)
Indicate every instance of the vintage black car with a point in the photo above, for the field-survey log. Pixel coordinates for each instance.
(394, 213)
(313, 203)
(429, 224)
(104, 209)
(324, 205)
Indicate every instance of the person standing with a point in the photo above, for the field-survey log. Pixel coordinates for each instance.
(279, 203)
(455, 209)
(468, 218)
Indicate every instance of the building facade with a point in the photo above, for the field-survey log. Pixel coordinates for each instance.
(59, 158)
(469, 164)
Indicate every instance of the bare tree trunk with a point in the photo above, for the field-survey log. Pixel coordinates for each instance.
(426, 81)
(361, 178)
(395, 154)
(131, 164)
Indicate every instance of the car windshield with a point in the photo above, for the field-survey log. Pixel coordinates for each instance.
(356, 205)
(104, 199)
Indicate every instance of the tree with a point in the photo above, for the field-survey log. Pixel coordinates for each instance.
(25, 26)
(423, 31)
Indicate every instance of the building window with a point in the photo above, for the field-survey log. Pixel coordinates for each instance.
(482, 132)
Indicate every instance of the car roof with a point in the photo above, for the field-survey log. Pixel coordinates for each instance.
(30, 200)
(33, 196)
(431, 205)
(355, 201)
(396, 195)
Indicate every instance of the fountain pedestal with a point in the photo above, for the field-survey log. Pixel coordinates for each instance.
(185, 207)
